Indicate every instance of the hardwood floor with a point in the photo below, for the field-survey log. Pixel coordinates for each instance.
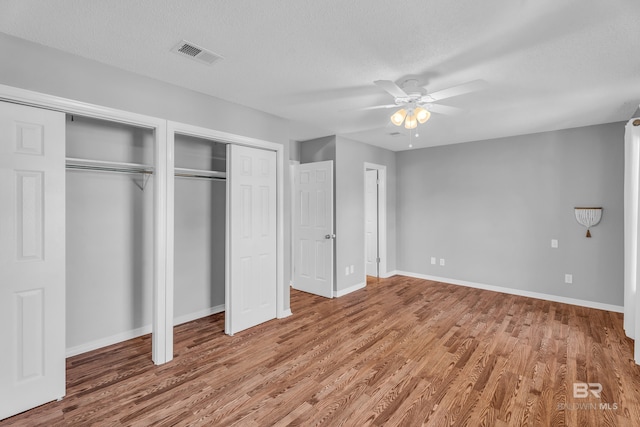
(401, 351)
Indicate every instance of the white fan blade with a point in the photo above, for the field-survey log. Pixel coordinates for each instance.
(471, 86)
(376, 107)
(391, 88)
(443, 109)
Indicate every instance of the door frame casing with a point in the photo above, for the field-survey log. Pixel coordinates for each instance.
(292, 184)
(382, 216)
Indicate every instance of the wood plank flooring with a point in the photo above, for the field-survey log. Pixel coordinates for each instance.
(402, 351)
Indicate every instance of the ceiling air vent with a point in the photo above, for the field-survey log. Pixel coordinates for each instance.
(195, 52)
(395, 134)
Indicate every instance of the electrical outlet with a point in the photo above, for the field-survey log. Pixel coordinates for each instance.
(554, 243)
(442, 262)
(568, 278)
(433, 260)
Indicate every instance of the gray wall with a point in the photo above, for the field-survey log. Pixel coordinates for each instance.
(42, 69)
(294, 150)
(199, 246)
(350, 159)
(490, 209)
(318, 150)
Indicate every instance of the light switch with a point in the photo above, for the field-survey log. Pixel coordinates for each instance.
(554, 243)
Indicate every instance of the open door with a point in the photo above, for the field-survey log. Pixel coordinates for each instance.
(32, 257)
(313, 228)
(251, 238)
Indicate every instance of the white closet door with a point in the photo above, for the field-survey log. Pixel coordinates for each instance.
(251, 270)
(32, 257)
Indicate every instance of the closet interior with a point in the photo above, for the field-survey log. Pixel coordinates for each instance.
(199, 233)
(109, 231)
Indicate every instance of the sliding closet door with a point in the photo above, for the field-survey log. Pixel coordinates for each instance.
(251, 273)
(32, 257)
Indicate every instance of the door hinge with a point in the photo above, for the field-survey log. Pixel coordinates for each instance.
(378, 259)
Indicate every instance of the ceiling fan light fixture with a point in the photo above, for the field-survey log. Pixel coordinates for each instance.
(398, 117)
(411, 122)
(422, 114)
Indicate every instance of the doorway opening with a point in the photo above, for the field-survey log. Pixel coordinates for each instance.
(375, 220)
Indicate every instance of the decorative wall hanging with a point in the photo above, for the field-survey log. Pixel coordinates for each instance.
(588, 217)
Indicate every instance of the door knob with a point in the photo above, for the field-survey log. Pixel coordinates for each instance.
(330, 236)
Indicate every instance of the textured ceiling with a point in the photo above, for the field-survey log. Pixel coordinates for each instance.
(548, 64)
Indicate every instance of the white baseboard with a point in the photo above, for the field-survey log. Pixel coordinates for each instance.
(103, 342)
(348, 290)
(285, 313)
(198, 315)
(389, 274)
(538, 295)
(138, 332)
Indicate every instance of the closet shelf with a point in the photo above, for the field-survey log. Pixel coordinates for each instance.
(102, 165)
(199, 173)
(107, 166)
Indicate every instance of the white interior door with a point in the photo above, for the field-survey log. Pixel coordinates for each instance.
(313, 228)
(371, 222)
(32, 257)
(251, 239)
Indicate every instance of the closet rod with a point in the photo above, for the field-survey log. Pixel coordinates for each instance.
(188, 175)
(109, 169)
(107, 166)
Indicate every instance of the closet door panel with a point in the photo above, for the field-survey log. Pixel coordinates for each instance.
(32, 257)
(251, 281)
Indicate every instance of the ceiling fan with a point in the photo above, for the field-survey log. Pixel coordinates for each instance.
(416, 105)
